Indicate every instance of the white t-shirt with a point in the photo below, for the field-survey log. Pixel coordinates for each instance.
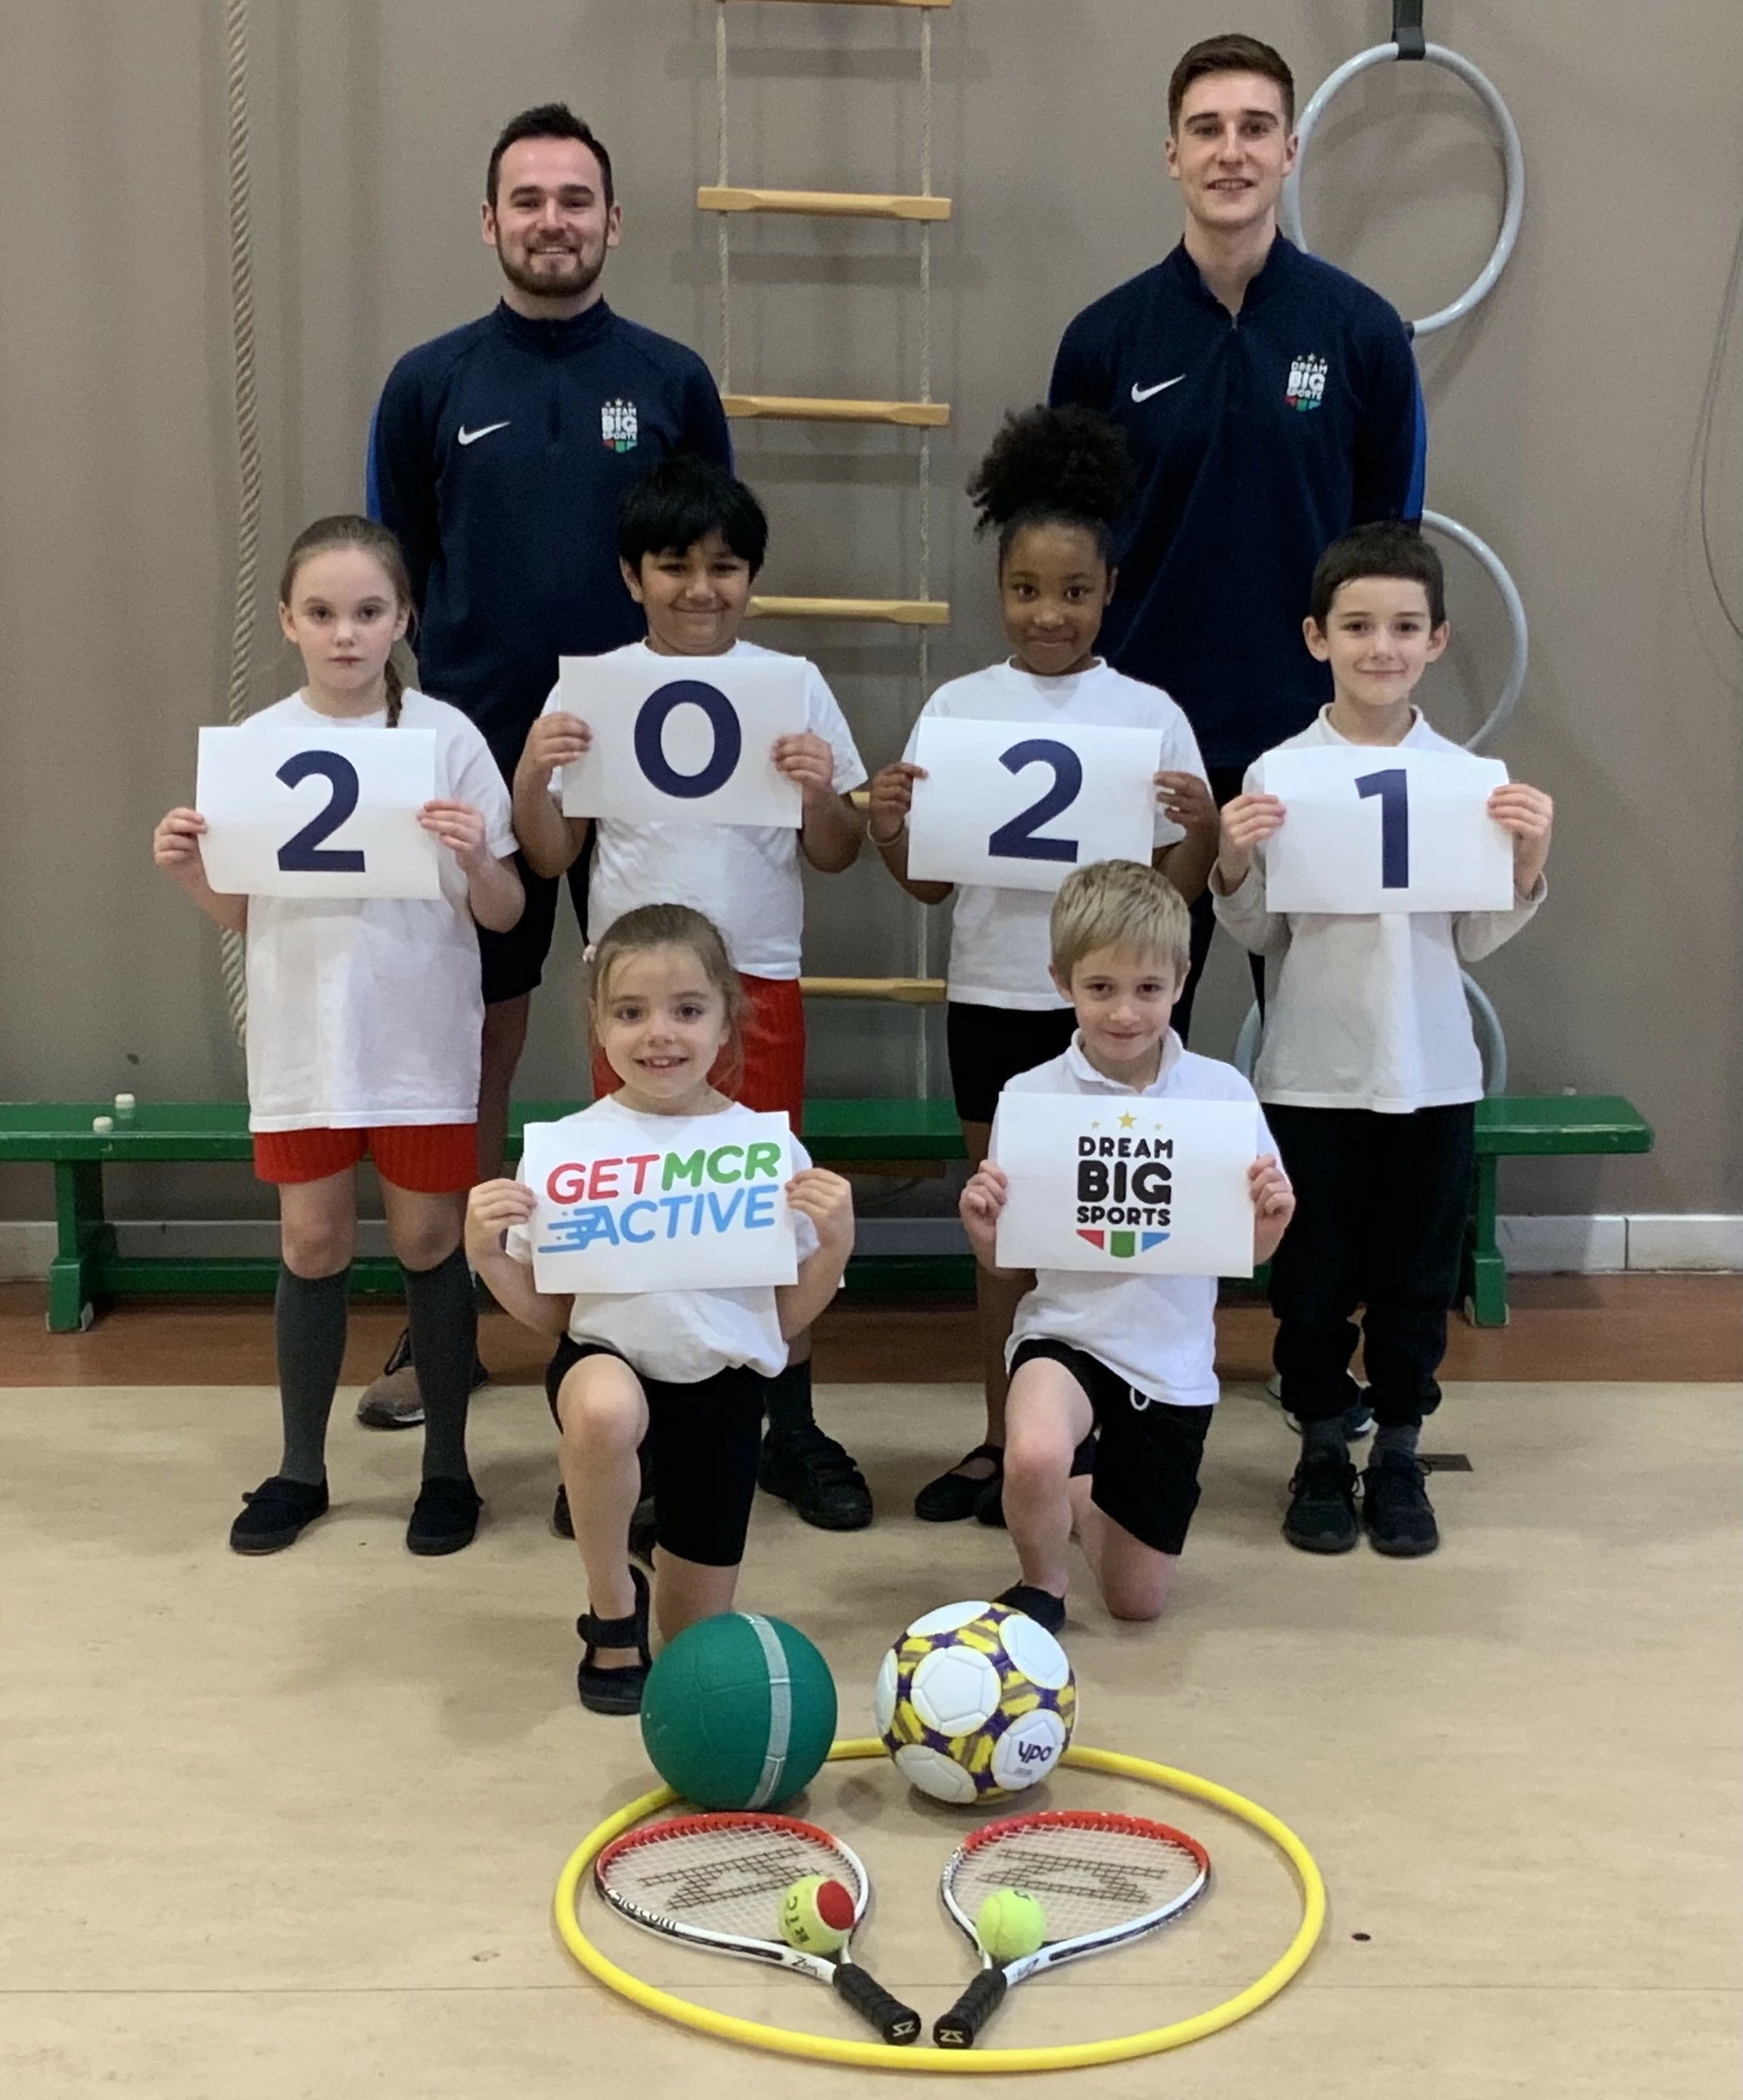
(1158, 1332)
(682, 1337)
(1365, 1011)
(366, 1011)
(999, 937)
(745, 877)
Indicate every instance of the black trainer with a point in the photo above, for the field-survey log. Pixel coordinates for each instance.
(1041, 1605)
(1396, 1509)
(444, 1518)
(1322, 1517)
(955, 1495)
(813, 1472)
(275, 1514)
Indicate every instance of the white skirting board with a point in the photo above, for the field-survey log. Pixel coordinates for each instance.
(1577, 1245)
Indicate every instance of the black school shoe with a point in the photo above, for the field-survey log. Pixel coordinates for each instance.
(275, 1514)
(444, 1518)
(814, 1473)
(1322, 1516)
(955, 1495)
(616, 1691)
(1041, 1605)
(1396, 1510)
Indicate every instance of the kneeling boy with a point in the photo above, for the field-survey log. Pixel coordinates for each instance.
(1369, 1068)
(1129, 1356)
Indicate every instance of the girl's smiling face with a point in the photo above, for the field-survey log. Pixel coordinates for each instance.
(1054, 586)
(661, 1024)
(344, 616)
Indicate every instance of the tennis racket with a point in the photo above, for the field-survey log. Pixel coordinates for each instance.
(1101, 1880)
(717, 1880)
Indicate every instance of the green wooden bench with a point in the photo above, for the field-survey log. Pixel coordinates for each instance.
(88, 1267)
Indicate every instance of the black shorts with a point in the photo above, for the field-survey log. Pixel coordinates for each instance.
(1147, 1454)
(989, 1045)
(512, 964)
(704, 1441)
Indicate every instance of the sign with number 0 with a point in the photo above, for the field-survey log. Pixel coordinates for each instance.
(1017, 806)
(318, 813)
(1373, 829)
(684, 739)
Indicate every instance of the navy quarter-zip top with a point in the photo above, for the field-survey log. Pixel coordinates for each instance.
(497, 454)
(1258, 438)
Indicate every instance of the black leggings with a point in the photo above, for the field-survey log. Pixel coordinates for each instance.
(704, 1440)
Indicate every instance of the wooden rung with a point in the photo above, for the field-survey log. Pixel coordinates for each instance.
(824, 204)
(902, 612)
(872, 3)
(815, 408)
(903, 991)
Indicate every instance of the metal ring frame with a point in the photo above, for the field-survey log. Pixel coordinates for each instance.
(878, 2056)
(1514, 684)
(1513, 203)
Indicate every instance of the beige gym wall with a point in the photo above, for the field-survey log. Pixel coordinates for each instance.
(1562, 424)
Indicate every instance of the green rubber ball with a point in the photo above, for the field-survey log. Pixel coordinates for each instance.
(739, 1712)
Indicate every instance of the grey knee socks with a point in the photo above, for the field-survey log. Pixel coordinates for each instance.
(308, 1320)
(1400, 1436)
(442, 1313)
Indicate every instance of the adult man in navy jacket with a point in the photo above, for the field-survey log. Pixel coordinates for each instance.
(497, 454)
(1271, 402)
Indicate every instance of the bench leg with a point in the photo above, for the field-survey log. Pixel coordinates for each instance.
(83, 1237)
(1486, 1272)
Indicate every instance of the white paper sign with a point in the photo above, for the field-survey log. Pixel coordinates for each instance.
(684, 739)
(1019, 804)
(1373, 829)
(307, 813)
(1120, 1184)
(700, 1206)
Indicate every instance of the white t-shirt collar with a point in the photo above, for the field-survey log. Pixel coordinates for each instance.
(1086, 1074)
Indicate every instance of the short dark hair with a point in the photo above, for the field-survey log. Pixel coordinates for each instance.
(1387, 548)
(1233, 53)
(549, 120)
(680, 501)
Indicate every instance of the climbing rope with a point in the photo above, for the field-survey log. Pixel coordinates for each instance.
(248, 437)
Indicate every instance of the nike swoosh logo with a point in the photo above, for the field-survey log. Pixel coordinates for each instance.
(1144, 392)
(484, 430)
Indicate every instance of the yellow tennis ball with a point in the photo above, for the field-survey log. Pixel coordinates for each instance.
(817, 1914)
(1010, 1924)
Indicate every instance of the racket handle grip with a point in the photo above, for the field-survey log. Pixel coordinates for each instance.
(896, 2022)
(958, 2027)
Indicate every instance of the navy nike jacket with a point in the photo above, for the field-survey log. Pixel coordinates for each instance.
(497, 454)
(1258, 438)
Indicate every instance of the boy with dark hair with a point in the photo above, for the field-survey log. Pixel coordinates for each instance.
(690, 541)
(1369, 1069)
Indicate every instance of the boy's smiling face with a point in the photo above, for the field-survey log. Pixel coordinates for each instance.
(1379, 638)
(696, 598)
(1123, 998)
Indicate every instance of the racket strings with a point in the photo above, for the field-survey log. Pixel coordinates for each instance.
(1087, 1880)
(727, 1879)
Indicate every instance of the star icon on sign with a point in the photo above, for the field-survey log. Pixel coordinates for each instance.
(1126, 1122)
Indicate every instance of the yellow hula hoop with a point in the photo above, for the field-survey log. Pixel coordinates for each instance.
(877, 2056)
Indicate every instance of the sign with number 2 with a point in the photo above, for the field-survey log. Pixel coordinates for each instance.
(1017, 806)
(1373, 830)
(318, 813)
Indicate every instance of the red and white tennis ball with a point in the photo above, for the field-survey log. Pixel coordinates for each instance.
(817, 1915)
(1010, 1925)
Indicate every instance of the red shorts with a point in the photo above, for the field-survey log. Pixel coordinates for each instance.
(430, 1159)
(773, 1033)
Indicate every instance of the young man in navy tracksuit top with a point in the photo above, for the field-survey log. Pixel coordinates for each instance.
(1270, 403)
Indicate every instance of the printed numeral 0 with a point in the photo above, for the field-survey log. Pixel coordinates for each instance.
(657, 709)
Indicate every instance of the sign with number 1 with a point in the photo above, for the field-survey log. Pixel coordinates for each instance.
(1373, 829)
(318, 813)
(681, 739)
(1017, 806)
